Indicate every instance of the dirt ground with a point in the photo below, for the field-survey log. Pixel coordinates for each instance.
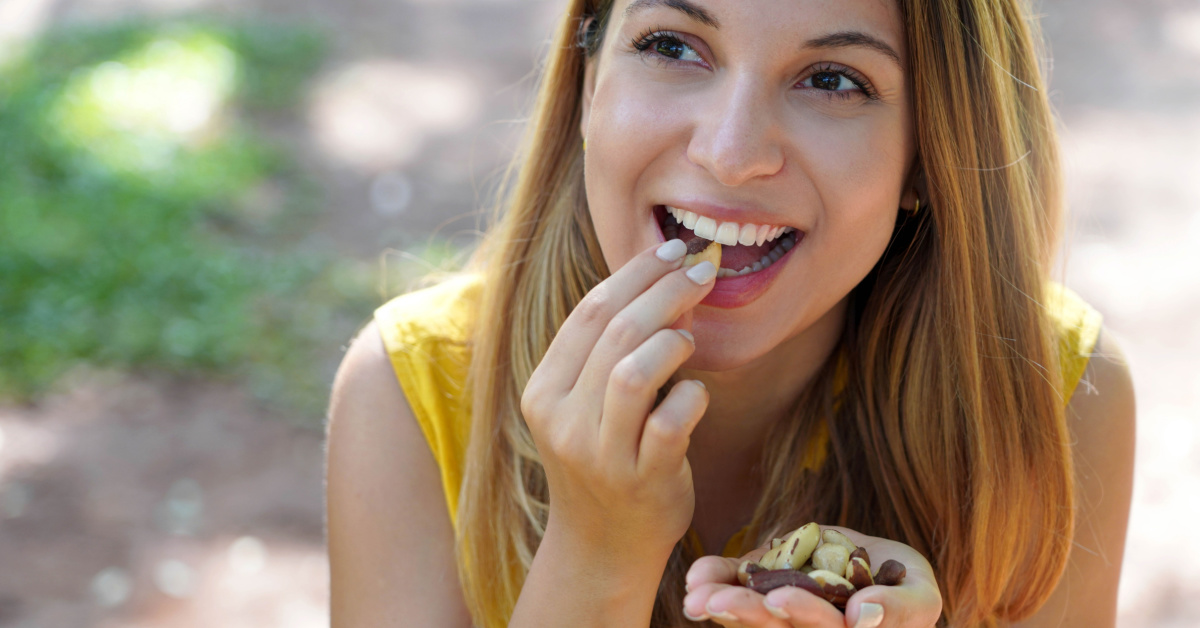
(135, 500)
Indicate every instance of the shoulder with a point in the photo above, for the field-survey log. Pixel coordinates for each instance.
(370, 421)
(365, 373)
(1101, 417)
(388, 531)
(1102, 410)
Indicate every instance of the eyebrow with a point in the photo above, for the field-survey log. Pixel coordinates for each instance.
(841, 39)
(692, 11)
(854, 39)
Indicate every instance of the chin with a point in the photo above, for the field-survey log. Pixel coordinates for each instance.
(715, 358)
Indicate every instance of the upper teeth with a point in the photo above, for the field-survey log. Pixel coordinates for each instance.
(727, 233)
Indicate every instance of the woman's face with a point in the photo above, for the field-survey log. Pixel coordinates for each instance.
(776, 113)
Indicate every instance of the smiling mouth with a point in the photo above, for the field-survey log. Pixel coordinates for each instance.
(744, 251)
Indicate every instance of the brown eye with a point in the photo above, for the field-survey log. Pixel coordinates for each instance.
(670, 48)
(831, 81)
(665, 48)
(839, 83)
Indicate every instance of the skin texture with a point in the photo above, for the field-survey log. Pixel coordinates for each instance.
(386, 508)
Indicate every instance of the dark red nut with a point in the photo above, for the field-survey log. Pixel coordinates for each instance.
(768, 580)
(890, 573)
(861, 553)
(697, 245)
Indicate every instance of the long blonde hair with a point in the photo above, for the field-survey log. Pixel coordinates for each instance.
(949, 434)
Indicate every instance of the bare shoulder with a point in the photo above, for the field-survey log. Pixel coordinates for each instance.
(391, 543)
(1102, 419)
(1105, 397)
(1102, 415)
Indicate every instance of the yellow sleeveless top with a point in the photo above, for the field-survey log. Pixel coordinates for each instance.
(425, 333)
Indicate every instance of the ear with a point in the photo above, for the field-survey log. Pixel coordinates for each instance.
(915, 187)
(589, 85)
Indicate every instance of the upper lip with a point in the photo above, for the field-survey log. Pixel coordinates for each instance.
(741, 214)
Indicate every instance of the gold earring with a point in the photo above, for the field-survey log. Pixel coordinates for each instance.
(585, 144)
(917, 207)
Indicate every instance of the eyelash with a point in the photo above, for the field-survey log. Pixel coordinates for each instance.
(644, 43)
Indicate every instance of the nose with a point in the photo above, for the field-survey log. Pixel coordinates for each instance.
(738, 138)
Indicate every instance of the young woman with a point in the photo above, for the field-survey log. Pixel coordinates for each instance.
(572, 430)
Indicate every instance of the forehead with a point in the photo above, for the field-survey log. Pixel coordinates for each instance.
(791, 19)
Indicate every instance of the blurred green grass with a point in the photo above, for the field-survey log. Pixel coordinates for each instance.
(145, 224)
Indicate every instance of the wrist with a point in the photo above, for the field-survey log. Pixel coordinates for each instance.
(620, 568)
(573, 583)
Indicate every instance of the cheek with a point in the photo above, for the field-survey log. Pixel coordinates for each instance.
(628, 111)
(858, 170)
(629, 129)
(866, 157)
(858, 234)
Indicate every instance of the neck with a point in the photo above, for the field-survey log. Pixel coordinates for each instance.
(746, 401)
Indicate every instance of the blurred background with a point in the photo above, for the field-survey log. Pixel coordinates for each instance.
(202, 200)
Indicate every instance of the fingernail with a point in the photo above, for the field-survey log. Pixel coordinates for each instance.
(702, 616)
(775, 610)
(701, 384)
(701, 273)
(671, 251)
(870, 615)
(726, 615)
(687, 334)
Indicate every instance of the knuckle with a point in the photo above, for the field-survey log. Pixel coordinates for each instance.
(561, 444)
(623, 330)
(594, 308)
(663, 428)
(531, 404)
(629, 376)
(564, 444)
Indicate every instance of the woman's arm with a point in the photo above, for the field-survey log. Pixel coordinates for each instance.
(1102, 422)
(391, 545)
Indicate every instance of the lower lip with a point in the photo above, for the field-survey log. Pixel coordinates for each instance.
(741, 290)
(731, 292)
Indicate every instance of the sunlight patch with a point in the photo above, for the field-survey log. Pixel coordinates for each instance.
(139, 112)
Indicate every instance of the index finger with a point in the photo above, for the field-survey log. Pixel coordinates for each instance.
(578, 335)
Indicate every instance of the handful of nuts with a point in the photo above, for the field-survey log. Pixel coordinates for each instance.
(823, 562)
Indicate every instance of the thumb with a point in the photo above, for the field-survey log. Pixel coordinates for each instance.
(864, 615)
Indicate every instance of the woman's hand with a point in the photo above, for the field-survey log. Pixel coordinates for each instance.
(713, 591)
(619, 480)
